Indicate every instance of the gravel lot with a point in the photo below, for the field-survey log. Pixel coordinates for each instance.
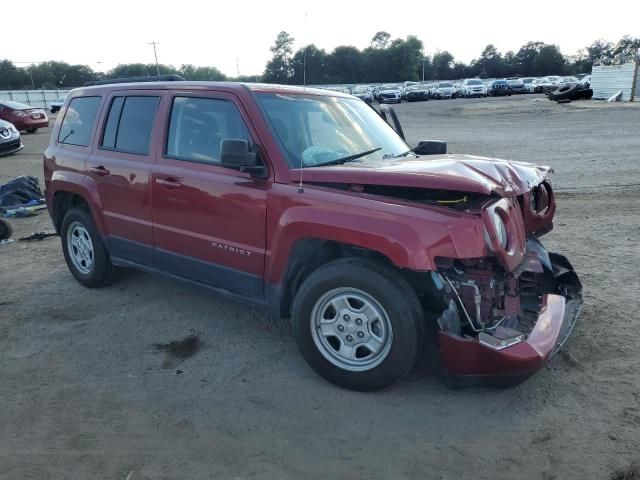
(88, 394)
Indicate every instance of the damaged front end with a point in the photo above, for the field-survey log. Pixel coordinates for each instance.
(508, 313)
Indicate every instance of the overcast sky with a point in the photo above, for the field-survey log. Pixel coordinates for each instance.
(217, 32)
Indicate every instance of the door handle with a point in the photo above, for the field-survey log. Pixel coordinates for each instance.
(100, 171)
(168, 182)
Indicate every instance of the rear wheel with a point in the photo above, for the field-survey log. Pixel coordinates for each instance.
(32, 130)
(358, 323)
(84, 250)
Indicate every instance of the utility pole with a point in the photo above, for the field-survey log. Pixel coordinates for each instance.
(238, 68)
(155, 54)
(423, 60)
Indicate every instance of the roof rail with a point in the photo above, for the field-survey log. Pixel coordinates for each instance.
(152, 78)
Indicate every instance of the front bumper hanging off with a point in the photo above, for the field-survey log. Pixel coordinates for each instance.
(470, 358)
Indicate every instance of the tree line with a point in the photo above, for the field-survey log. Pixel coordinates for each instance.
(60, 75)
(393, 60)
(384, 60)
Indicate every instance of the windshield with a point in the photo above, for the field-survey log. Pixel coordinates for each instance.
(361, 90)
(315, 130)
(445, 85)
(474, 82)
(389, 87)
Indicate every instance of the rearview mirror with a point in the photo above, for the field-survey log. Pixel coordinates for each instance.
(234, 153)
(431, 147)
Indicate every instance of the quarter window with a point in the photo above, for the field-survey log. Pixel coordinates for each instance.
(198, 125)
(79, 120)
(129, 124)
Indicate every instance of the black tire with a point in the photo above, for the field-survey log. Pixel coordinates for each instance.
(32, 130)
(103, 272)
(565, 92)
(391, 291)
(6, 230)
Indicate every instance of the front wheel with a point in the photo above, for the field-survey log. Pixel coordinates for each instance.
(84, 250)
(358, 323)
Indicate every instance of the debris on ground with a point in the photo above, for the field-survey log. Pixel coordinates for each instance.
(23, 191)
(615, 98)
(179, 350)
(6, 230)
(38, 236)
(632, 472)
(6, 242)
(567, 93)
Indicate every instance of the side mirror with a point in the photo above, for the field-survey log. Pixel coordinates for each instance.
(234, 153)
(431, 147)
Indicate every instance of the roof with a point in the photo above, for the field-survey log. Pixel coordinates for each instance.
(228, 86)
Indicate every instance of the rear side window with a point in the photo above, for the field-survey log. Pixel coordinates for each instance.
(198, 125)
(79, 120)
(129, 124)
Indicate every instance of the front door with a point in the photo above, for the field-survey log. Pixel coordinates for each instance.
(208, 220)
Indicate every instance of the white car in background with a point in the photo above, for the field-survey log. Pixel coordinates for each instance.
(529, 84)
(405, 86)
(472, 87)
(390, 93)
(445, 90)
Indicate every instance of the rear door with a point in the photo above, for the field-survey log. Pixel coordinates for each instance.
(209, 221)
(120, 167)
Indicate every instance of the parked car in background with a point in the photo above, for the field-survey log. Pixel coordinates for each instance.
(56, 105)
(498, 88)
(10, 141)
(548, 84)
(389, 93)
(570, 80)
(516, 85)
(363, 93)
(22, 116)
(445, 90)
(472, 87)
(405, 86)
(416, 92)
(529, 84)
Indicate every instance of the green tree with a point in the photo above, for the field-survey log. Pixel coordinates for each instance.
(279, 69)
(345, 65)
(549, 61)
(316, 68)
(12, 77)
(381, 39)
(190, 72)
(627, 45)
(525, 57)
(600, 49)
(490, 64)
(443, 65)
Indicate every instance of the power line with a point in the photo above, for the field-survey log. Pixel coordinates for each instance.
(155, 54)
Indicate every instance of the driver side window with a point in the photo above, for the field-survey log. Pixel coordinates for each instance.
(198, 125)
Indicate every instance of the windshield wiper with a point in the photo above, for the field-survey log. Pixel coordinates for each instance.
(404, 154)
(342, 160)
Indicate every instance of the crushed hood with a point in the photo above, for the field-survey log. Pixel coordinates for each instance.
(464, 173)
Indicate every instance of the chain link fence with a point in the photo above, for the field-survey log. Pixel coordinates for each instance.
(35, 98)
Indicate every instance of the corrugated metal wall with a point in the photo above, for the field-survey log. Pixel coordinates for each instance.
(607, 80)
(35, 98)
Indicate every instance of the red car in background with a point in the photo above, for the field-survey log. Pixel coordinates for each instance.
(23, 117)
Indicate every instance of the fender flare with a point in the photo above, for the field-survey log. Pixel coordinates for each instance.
(80, 185)
(402, 241)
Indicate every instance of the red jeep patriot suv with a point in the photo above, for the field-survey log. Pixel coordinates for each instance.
(311, 203)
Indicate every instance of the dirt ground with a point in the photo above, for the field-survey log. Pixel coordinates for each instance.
(92, 386)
